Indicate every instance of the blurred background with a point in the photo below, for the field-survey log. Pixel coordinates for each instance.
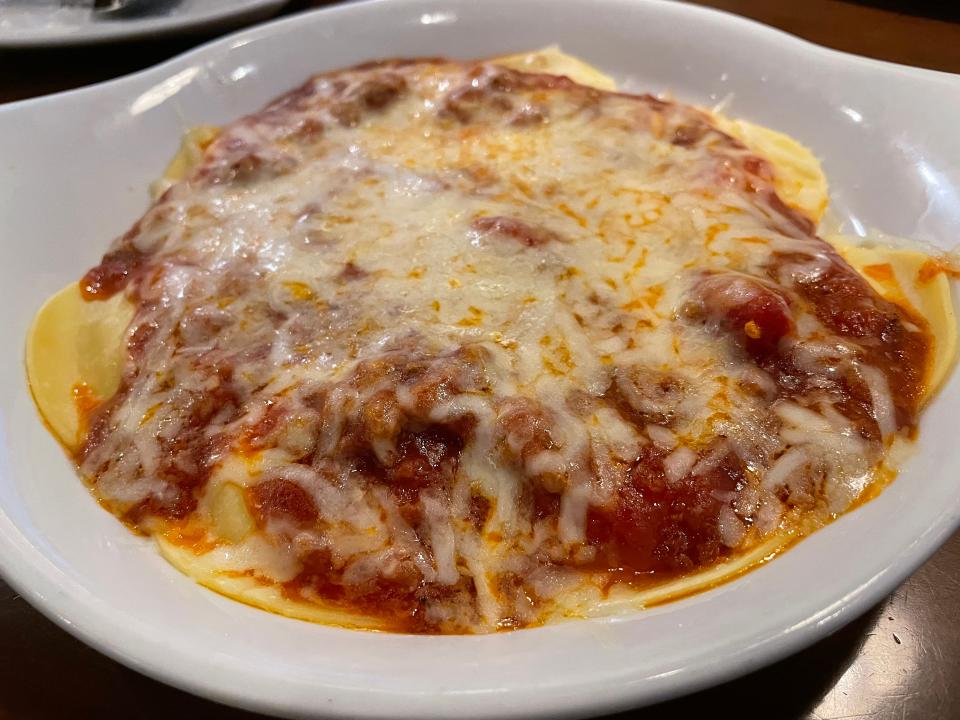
(923, 33)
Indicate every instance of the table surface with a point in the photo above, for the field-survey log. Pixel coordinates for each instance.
(901, 660)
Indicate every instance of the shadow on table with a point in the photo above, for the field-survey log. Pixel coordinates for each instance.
(27, 73)
(31, 72)
(787, 690)
(48, 675)
(938, 9)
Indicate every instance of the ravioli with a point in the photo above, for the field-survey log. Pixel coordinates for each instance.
(480, 512)
(75, 354)
(912, 280)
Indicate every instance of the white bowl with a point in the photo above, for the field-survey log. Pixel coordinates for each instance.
(73, 172)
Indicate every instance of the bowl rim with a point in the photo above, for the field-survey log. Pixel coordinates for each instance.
(94, 622)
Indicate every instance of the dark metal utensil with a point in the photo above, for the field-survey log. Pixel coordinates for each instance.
(107, 9)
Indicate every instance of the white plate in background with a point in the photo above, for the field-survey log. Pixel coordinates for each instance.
(40, 23)
(74, 171)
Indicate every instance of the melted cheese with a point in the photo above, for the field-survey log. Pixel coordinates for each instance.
(800, 180)
(401, 241)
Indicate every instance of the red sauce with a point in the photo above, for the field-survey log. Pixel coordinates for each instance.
(757, 315)
(352, 271)
(800, 223)
(514, 229)
(262, 434)
(281, 498)
(399, 601)
(178, 506)
(85, 402)
(424, 458)
(112, 274)
(656, 526)
(379, 92)
(845, 303)
(689, 134)
(651, 526)
(186, 460)
(479, 511)
(545, 504)
(139, 338)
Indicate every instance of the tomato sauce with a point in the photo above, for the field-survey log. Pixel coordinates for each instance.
(112, 275)
(660, 527)
(653, 527)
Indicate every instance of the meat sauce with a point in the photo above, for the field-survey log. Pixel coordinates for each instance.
(650, 527)
(659, 527)
(281, 498)
(112, 275)
(845, 303)
(399, 603)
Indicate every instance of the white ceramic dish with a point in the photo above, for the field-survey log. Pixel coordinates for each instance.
(74, 170)
(37, 23)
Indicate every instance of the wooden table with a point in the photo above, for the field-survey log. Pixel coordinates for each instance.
(901, 660)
